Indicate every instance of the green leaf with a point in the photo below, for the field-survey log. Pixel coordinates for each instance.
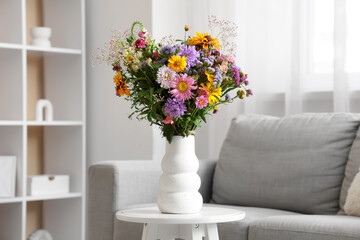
(168, 132)
(202, 115)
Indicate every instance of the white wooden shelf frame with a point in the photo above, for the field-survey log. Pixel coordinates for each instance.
(70, 207)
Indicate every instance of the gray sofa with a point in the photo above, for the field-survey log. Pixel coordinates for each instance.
(290, 175)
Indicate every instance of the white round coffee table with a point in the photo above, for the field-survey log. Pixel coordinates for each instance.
(162, 226)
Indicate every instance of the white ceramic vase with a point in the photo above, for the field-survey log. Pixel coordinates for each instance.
(180, 182)
(40, 36)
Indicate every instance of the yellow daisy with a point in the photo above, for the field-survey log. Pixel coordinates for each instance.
(214, 94)
(177, 63)
(202, 40)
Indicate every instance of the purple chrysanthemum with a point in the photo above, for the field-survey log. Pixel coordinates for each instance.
(190, 54)
(175, 107)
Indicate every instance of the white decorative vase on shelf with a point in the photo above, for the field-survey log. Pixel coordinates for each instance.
(180, 182)
(40, 36)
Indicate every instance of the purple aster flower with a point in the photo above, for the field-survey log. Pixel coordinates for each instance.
(218, 76)
(168, 50)
(175, 107)
(207, 62)
(246, 83)
(249, 92)
(191, 55)
(211, 70)
(143, 64)
(228, 98)
(164, 60)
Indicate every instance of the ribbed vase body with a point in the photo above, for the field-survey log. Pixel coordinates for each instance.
(179, 181)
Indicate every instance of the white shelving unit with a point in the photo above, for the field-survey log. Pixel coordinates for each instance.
(64, 138)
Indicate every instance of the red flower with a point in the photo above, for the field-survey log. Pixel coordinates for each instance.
(156, 55)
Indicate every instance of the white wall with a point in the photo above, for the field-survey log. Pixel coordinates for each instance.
(110, 134)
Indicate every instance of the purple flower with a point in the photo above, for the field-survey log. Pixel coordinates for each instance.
(175, 107)
(191, 55)
(169, 50)
(244, 78)
(164, 60)
(246, 83)
(207, 62)
(235, 73)
(228, 98)
(211, 70)
(218, 76)
(249, 92)
(143, 64)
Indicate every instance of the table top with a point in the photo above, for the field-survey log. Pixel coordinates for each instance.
(151, 214)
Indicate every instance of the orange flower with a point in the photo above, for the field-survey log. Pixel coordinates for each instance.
(121, 87)
(202, 40)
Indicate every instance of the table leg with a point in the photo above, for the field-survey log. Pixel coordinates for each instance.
(150, 232)
(211, 232)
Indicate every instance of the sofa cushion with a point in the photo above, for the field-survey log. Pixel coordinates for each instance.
(352, 168)
(306, 227)
(352, 204)
(238, 230)
(294, 163)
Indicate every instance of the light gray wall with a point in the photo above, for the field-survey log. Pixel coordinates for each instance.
(110, 134)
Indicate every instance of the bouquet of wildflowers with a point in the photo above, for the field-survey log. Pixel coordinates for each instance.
(174, 84)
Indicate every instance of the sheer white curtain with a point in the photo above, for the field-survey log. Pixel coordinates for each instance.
(301, 55)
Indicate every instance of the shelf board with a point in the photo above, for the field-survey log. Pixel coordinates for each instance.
(53, 196)
(10, 46)
(54, 123)
(10, 199)
(11, 123)
(36, 49)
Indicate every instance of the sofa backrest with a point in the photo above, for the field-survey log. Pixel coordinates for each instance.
(294, 163)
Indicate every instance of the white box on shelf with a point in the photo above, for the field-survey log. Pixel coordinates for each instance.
(47, 184)
(7, 176)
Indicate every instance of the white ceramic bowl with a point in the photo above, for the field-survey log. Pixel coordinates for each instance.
(40, 32)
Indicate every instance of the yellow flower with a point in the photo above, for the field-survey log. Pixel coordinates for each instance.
(121, 87)
(177, 63)
(210, 77)
(214, 94)
(202, 40)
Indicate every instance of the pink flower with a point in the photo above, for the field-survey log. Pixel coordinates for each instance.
(141, 34)
(168, 120)
(182, 87)
(141, 43)
(203, 92)
(230, 59)
(201, 101)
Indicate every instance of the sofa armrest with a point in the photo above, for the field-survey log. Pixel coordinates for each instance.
(114, 185)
